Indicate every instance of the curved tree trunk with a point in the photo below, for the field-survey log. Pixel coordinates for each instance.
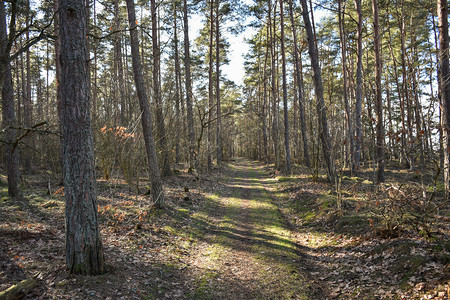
(146, 118)
(299, 89)
(320, 105)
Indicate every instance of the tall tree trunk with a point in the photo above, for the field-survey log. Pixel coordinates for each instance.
(28, 104)
(189, 98)
(378, 99)
(442, 9)
(119, 84)
(299, 88)
(165, 170)
(343, 40)
(210, 83)
(405, 88)
(320, 105)
(146, 118)
(265, 104)
(8, 110)
(218, 104)
(359, 85)
(177, 84)
(275, 136)
(285, 101)
(84, 250)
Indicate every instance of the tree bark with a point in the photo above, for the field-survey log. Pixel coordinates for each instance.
(219, 149)
(343, 41)
(84, 250)
(442, 9)
(378, 96)
(210, 84)
(320, 105)
(298, 71)
(146, 118)
(165, 170)
(177, 84)
(189, 99)
(285, 101)
(8, 111)
(359, 85)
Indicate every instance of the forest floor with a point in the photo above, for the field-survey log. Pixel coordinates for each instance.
(242, 232)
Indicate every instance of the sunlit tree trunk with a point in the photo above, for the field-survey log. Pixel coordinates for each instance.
(378, 97)
(146, 118)
(359, 85)
(343, 40)
(219, 148)
(320, 104)
(189, 99)
(157, 92)
(442, 9)
(210, 83)
(299, 88)
(84, 250)
(285, 101)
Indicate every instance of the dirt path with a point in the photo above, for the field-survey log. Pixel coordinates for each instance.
(246, 250)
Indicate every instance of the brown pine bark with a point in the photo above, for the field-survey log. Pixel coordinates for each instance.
(442, 9)
(343, 41)
(219, 149)
(298, 73)
(146, 118)
(84, 250)
(210, 84)
(165, 169)
(177, 84)
(189, 99)
(359, 85)
(378, 96)
(285, 101)
(320, 104)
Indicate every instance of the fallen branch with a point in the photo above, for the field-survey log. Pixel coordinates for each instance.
(19, 290)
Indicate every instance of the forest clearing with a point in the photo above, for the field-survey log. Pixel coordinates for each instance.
(141, 158)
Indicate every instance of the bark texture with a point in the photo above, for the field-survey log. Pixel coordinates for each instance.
(84, 250)
(442, 8)
(320, 104)
(146, 118)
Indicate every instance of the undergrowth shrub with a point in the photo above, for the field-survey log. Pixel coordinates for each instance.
(120, 149)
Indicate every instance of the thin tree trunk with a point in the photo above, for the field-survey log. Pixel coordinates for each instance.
(285, 101)
(84, 250)
(165, 170)
(299, 88)
(378, 99)
(442, 9)
(359, 84)
(146, 118)
(189, 98)
(120, 84)
(210, 84)
(28, 104)
(218, 104)
(343, 41)
(320, 105)
(177, 84)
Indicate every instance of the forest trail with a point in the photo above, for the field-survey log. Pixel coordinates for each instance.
(246, 250)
